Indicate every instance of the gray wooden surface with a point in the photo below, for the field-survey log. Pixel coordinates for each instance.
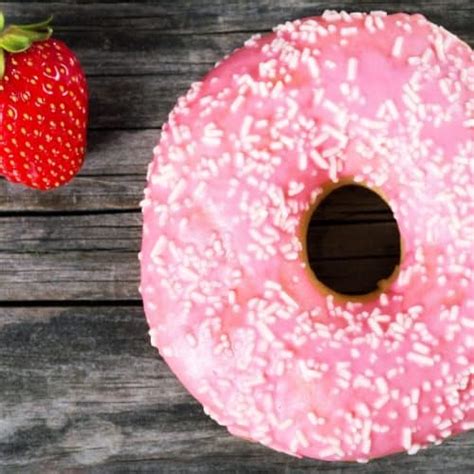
(81, 390)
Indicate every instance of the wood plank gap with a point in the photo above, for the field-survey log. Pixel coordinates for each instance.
(113, 128)
(65, 212)
(145, 74)
(70, 303)
(90, 29)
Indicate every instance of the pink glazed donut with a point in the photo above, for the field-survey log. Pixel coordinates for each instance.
(233, 306)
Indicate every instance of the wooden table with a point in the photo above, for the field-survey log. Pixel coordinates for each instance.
(80, 387)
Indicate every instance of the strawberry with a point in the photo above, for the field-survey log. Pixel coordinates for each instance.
(43, 107)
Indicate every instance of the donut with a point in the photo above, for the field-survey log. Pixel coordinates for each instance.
(383, 101)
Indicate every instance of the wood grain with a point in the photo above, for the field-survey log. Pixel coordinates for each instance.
(216, 16)
(82, 389)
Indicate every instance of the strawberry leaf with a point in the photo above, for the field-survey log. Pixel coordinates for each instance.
(18, 38)
(15, 42)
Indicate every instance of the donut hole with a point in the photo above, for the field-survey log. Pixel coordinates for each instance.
(353, 241)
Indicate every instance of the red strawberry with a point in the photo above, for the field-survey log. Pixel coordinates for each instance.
(43, 107)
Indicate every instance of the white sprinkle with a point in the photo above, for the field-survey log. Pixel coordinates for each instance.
(369, 24)
(302, 161)
(187, 274)
(239, 100)
(375, 326)
(406, 438)
(211, 131)
(467, 322)
(313, 419)
(407, 99)
(191, 340)
(363, 410)
(272, 285)
(198, 297)
(397, 47)
(332, 168)
(352, 69)
(439, 48)
(318, 160)
(158, 248)
(392, 108)
(381, 385)
(469, 123)
(345, 89)
(366, 441)
(382, 401)
(246, 124)
(346, 16)
(413, 412)
(336, 134)
(420, 359)
(302, 438)
(426, 386)
(177, 191)
(372, 124)
(421, 348)
(444, 424)
(413, 449)
(295, 188)
(415, 395)
(265, 331)
(348, 31)
(288, 299)
(331, 15)
(327, 452)
(285, 424)
(211, 141)
(330, 64)
(167, 351)
(332, 107)
(318, 95)
(313, 67)
(329, 152)
(379, 23)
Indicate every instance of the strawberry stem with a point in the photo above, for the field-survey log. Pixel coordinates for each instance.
(18, 38)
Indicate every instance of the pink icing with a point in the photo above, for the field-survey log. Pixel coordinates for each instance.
(383, 100)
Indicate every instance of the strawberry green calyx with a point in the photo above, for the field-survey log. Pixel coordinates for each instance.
(18, 38)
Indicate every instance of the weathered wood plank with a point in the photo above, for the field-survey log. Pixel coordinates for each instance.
(115, 52)
(83, 391)
(94, 257)
(67, 276)
(118, 52)
(204, 16)
(154, 46)
(134, 101)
